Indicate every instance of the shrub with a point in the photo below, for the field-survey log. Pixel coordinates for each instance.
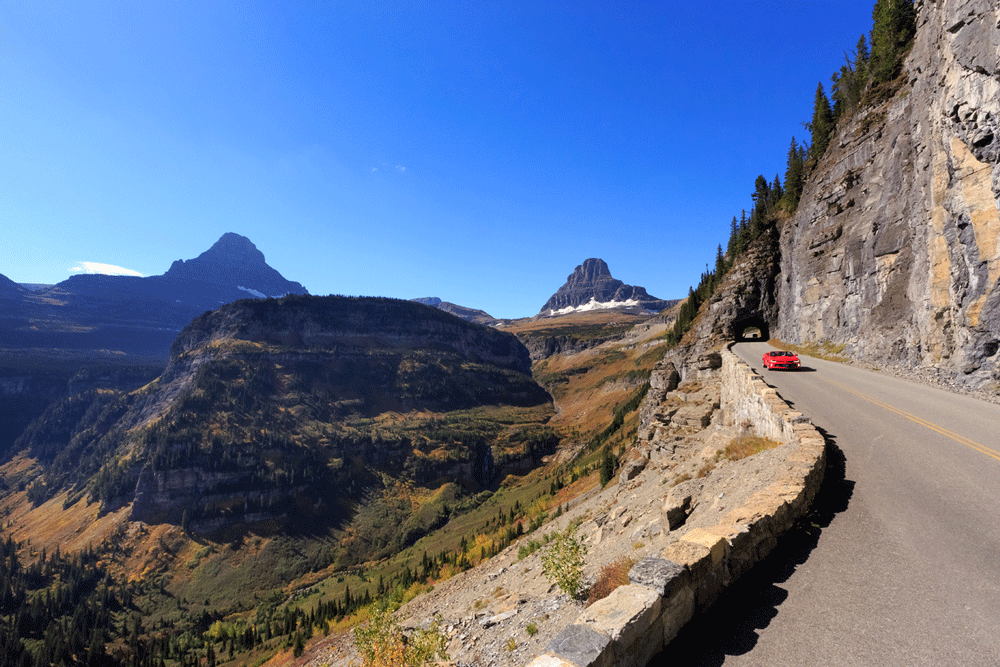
(612, 575)
(562, 561)
(381, 642)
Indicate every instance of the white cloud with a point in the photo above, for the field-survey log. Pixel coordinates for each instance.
(105, 269)
(400, 167)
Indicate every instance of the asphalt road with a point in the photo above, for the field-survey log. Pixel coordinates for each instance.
(899, 563)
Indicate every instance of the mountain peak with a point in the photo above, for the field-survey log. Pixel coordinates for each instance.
(591, 287)
(234, 248)
(234, 261)
(591, 270)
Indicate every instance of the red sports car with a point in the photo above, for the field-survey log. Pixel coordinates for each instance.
(781, 359)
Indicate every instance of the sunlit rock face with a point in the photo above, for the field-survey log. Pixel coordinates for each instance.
(895, 247)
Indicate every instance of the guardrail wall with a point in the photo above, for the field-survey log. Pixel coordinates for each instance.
(637, 621)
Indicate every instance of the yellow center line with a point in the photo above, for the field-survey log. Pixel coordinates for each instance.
(972, 444)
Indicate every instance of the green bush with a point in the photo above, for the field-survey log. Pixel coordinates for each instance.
(563, 560)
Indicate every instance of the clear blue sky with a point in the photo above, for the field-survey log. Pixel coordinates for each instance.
(474, 151)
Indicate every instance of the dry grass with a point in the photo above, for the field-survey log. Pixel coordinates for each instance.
(748, 445)
(683, 477)
(574, 322)
(612, 575)
(705, 469)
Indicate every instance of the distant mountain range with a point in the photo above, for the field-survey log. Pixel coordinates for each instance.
(592, 287)
(117, 317)
(109, 315)
(467, 314)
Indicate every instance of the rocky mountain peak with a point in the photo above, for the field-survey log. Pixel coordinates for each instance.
(232, 247)
(592, 270)
(234, 261)
(591, 287)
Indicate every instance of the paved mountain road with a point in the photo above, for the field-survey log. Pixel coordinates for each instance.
(903, 564)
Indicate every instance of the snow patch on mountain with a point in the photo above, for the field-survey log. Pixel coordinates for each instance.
(254, 292)
(594, 304)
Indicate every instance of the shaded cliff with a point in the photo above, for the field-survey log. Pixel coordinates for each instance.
(895, 247)
(289, 413)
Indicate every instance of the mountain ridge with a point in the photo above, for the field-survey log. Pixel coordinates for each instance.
(467, 314)
(106, 315)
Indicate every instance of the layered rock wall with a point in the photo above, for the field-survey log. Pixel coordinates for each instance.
(895, 248)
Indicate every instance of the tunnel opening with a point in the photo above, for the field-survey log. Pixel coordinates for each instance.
(751, 328)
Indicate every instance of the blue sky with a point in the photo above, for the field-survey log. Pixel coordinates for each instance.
(473, 151)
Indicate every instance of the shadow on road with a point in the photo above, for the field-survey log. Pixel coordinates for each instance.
(731, 626)
(800, 369)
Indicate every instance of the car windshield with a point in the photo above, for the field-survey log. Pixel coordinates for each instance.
(782, 354)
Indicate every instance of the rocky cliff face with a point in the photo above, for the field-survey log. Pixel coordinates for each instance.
(744, 302)
(895, 247)
(592, 286)
(306, 322)
(292, 410)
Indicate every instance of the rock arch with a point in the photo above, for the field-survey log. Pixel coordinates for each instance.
(740, 326)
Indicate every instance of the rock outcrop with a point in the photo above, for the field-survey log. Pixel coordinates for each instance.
(591, 287)
(547, 346)
(745, 300)
(895, 248)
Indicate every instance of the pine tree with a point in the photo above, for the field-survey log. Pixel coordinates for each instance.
(763, 200)
(734, 249)
(894, 22)
(861, 58)
(821, 125)
(794, 175)
(607, 467)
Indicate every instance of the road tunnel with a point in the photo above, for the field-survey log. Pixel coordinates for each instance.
(751, 328)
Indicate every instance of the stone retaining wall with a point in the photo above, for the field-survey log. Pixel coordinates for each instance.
(637, 621)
